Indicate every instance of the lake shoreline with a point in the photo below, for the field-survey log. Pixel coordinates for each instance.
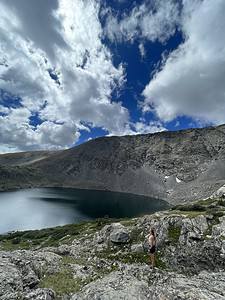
(53, 206)
(2, 190)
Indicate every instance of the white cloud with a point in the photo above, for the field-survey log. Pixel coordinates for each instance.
(142, 50)
(57, 66)
(155, 20)
(64, 42)
(4, 110)
(143, 127)
(16, 133)
(192, 80)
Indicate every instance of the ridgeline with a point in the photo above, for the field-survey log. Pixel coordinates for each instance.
(175, 166)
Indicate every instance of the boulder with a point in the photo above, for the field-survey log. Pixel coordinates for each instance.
(193, 229)
(40, 294)
(205, 286)
(119, 235)
(116, 285)
(140, 282)
(11, 283)
(137, 248)
(115, 233)
(220, 192)
(219, 229)
(20, 272)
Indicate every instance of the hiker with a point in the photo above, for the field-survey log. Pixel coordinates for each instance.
(152, 244)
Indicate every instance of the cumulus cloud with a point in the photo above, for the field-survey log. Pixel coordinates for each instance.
(53, 61)
(54, 65)
(15, 131)
(143, 127)
(45, 34)
(142, 50)
(153, 20)
(191, 81)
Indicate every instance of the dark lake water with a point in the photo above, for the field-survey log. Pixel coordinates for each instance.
(47, 207)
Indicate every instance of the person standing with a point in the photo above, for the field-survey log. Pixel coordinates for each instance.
(152, 244)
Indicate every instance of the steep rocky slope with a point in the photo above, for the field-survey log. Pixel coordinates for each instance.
(176, 166)
(24, 158)
(108, 260)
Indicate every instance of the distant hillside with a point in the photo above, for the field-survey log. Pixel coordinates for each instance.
(176, 166)
(24, 158)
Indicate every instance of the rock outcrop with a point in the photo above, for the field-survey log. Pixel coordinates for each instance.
(141, 283)
(220, 192)
(109, 260)
(20, 273)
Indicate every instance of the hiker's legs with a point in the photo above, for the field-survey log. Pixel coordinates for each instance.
(152, 259)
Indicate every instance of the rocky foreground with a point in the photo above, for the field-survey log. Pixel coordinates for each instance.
(108, 259)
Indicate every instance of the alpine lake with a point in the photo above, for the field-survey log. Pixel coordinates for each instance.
(49, 207)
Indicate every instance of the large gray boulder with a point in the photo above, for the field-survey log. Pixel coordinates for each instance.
(193, 229)
(20, 273)
(137, 248)
(115, 233)
(11, 284)
(119, 234)
(115, 286)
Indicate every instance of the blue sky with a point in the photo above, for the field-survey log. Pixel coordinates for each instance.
(71, 70)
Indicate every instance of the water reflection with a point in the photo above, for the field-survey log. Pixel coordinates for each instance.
(39, 208)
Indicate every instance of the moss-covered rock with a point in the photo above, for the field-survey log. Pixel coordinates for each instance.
(174, 233)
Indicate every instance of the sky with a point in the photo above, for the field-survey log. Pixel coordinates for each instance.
(74, 70)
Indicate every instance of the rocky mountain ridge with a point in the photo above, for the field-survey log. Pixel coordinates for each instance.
(108, 259)
(175, 166)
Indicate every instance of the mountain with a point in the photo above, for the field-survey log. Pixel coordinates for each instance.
(172, 165)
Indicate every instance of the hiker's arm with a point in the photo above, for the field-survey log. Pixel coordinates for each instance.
(150, 240)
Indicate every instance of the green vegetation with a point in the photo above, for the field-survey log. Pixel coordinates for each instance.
(125, 257)
(66, 260)
(206, 202)
(189, 214)
(131, 257)
(190, 207)
(50, 236)
(137, 235)
(221, 202)
(61, 282)
(159, 261)
(128, 222)
(201, 207)
(174, 233)
(10, 245)
(190, 210)
(215, 213)
(213, 207)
